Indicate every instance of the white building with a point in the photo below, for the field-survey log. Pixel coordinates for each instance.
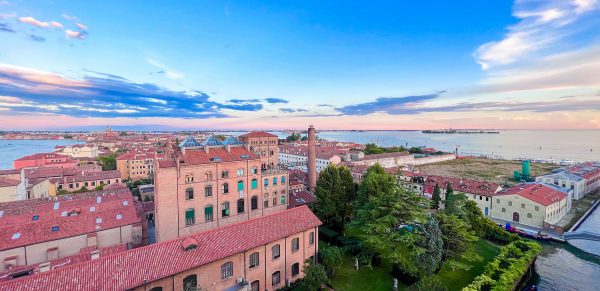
(582, 178)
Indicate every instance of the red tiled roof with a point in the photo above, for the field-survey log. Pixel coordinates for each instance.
(10, 172)
(93, 176)
(461, 185)
(257, 134)
(47, 172)
(7, 182)
(300, 198)
(43, 156)
(150, 263)
(199, 156)
(538, 193)
(386, 155)
(18, 216)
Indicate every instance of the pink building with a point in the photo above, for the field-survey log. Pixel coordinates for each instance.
(45, 160)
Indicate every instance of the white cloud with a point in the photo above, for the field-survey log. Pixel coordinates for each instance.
(81, 26)
(56, 24)
(164, 70)
(34, 22)
(538, 28)
(154, 100)
(75, 34)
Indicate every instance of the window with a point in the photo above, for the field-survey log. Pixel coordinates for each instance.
(497, 201)
(254, 170)
(274, 201)
(35, 217)
(266, 182)
(225, 174)
(529, 215)
(509, 203)
(254, 184)
(240, 206)
(189, 178)
(240, 172)
(275, 252)
(190, 283)
(208, 176)
(255, 286)
(282, 179)
(156, 289)
(276, 278)
(503, 209)
(275, 181)
(190, 217)
(254, 260)
(295, 269)
(225, 209)
(282, 199)
(295, 244)
(311, 238)
(254, 203)
(225, 188)
(523, 205)
(189, 194)
(537, 208)
(208, 191)
(240, 186)
(208, 213)
(226, 270)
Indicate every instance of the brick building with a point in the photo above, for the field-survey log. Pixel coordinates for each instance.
(40, 230)
(89, 180)
(264, 145)
(212, 184)
(136, 165)
(264, 253)
(45, 160)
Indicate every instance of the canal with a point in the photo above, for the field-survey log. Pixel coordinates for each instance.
(570, 267)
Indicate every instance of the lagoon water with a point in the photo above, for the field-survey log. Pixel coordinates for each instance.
(11, 150)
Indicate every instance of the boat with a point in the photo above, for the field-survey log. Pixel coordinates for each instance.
(527, 233)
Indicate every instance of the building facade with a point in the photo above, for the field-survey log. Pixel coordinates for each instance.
(582, 179)
(482, 192)
(45, 160)
(89, 151)
(264, 145)
(213, 184)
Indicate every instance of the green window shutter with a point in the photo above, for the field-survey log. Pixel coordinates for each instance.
(208, 210)
(189, 214)
(240, 186)
(282, 199)
(254, 184)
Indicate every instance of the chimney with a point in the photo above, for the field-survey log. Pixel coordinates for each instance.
(312, 160)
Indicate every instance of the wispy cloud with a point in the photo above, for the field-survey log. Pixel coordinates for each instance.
(32, 21)
(275, 100)
(103, 95)
(6, 28)
(539, 26)
(57, 24)
(36, 37)
(75, 34)
(164, 70)
(389, 105)
(292, 110)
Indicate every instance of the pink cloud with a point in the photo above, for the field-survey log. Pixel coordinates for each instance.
(81, 26)
(75, 34)
(56, 24)
(34, 22)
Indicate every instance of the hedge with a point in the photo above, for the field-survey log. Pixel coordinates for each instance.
(507, 268)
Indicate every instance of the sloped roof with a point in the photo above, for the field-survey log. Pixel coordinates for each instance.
(189, 142)
(232, 141)
(539, 193)
(130, 269)
(211, 141)
(257, 134)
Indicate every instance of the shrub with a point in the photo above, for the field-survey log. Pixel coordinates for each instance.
(507, 268)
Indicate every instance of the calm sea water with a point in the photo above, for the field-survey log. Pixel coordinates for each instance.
(11, 150)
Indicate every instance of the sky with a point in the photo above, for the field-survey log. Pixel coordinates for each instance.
(527, 64)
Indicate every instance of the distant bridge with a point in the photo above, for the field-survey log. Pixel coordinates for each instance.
(582, 234)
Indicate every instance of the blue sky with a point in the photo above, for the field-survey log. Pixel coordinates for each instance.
(286, 64)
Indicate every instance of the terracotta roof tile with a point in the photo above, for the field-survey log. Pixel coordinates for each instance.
(540, 193)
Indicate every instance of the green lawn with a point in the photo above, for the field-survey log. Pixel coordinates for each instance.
(380, 279)
(457, 279)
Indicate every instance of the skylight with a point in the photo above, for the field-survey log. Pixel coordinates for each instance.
(125, 202)
(119, 216)
(245, 156)
(16, 236)
(64, 213)
(98, 199)
(35, 217)
(56, 205)
(98, 220)
(54, 228)
(92, 208)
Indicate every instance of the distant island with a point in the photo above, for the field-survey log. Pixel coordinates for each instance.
(459, 131)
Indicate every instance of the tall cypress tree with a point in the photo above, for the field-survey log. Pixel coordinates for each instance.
(449, 196)
(436, 198)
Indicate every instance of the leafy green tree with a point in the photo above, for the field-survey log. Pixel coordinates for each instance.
(387, 217)
(431, 259)
(415, 150)
(430, 283)
(293, 137)
(371, 149)
(457, 237)
(335, 193)
(108, 163)
(436, 198)
(332, 259)
(449, 197)
(315, 276)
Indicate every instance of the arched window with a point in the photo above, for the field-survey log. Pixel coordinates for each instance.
(225, 188)
(254, 260)
(225, 174)
(208, 176)
(274, 180)
(266, 182)
(190, 217)
(295, 269)
(208, 191)
(254, 203)
(276, 278)
(254, 184)
(255, 286)
(189, 178)
(189, 193)
(208, 213)
(254, 170)
(190, 283)
(240, 206)
(295, 244)
(240, 172)
(266, 198)
(240, 186)
(225, 209)
(274, 201)
(282, 179)
(226, 270)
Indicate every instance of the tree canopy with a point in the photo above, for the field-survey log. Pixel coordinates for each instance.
(335, 192)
